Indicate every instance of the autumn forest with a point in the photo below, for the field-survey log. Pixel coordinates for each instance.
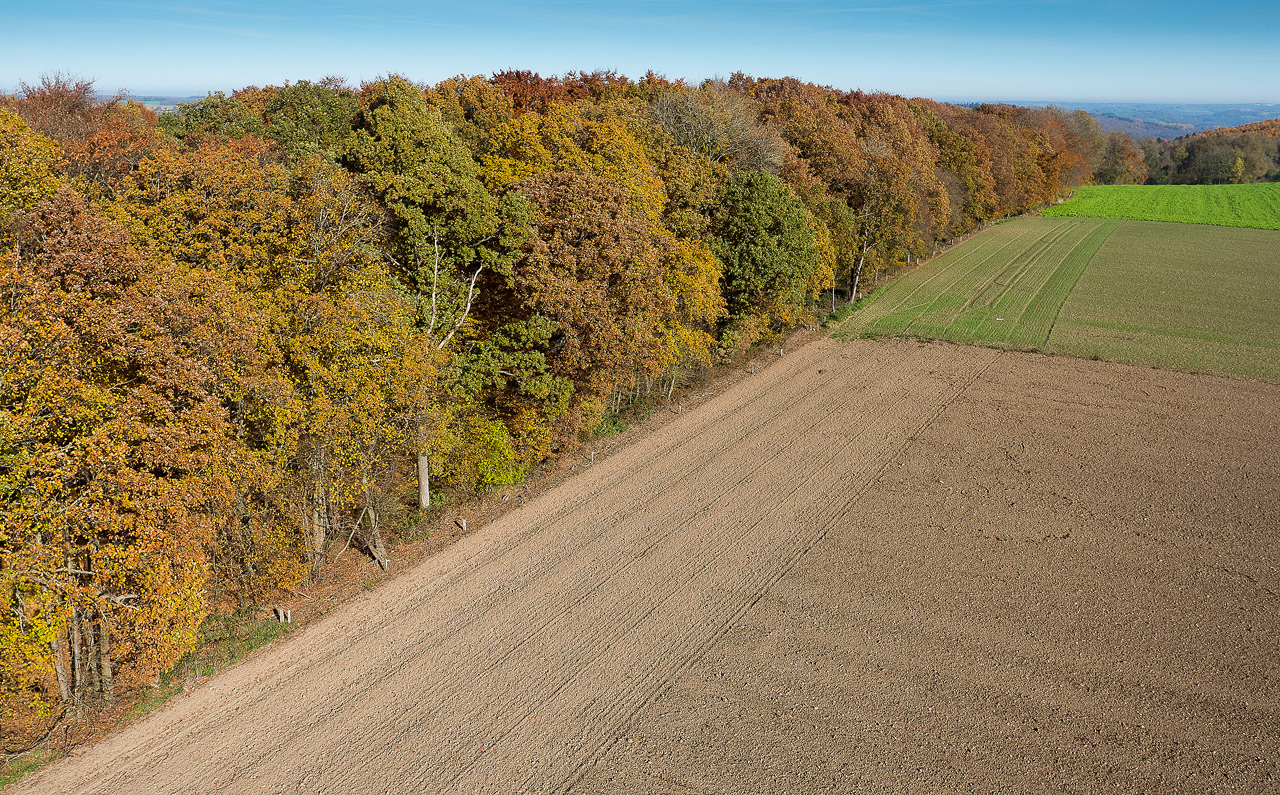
(234, 335)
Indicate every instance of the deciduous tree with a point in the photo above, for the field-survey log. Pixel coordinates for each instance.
(113, 459)
(775, 260)
(447, 226)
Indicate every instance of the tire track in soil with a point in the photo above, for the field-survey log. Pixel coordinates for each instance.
(511, 661)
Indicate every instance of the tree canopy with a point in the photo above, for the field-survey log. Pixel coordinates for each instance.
(239, 332)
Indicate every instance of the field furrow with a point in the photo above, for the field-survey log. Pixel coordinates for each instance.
(1179, 296)
(970, 261)
(1042, 310)
(946, 306)
(1062, 584)
(996, 310)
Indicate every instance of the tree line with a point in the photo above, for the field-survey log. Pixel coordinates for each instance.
(233, 334)
(1228, 155)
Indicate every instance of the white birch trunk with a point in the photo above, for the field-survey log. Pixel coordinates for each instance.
(424, 482)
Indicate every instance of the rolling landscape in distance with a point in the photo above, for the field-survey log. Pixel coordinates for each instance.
(731, 418)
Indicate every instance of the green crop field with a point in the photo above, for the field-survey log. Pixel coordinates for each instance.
(1253, 206)
(1179, 296)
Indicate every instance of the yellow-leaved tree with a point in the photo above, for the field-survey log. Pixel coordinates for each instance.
(114, 460)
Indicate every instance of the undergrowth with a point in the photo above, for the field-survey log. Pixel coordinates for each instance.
(224, 640)
(11, 770)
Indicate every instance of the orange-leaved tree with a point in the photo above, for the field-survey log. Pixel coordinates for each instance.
(114, 460)
(609, 152)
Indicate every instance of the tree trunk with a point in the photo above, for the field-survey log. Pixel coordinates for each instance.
(319, 515)
(106, 679)
(374, 543)
(317, 535)
(93, 684)
(60, 667)
(424, 482)
(857, 276)
(373, 538)
(77, 668)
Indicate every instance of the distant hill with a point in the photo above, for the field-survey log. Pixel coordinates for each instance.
(165, 104)
(1144, 128)
(160, 104)
(1173, 120)
(1269, 128)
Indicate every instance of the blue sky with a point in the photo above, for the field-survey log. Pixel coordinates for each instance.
(1062, 50)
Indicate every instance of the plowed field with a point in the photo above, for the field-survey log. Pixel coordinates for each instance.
(876, 566)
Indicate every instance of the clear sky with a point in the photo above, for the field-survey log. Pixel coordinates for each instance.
(1062, 50)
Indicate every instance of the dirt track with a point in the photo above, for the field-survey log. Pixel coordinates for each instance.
(1022, 574)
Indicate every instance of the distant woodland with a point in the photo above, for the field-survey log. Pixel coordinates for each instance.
(1228, 155)
(271, 322)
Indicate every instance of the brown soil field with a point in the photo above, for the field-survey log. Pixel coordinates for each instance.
(882, 566)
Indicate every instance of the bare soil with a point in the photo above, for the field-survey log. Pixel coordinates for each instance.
(872, 567)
